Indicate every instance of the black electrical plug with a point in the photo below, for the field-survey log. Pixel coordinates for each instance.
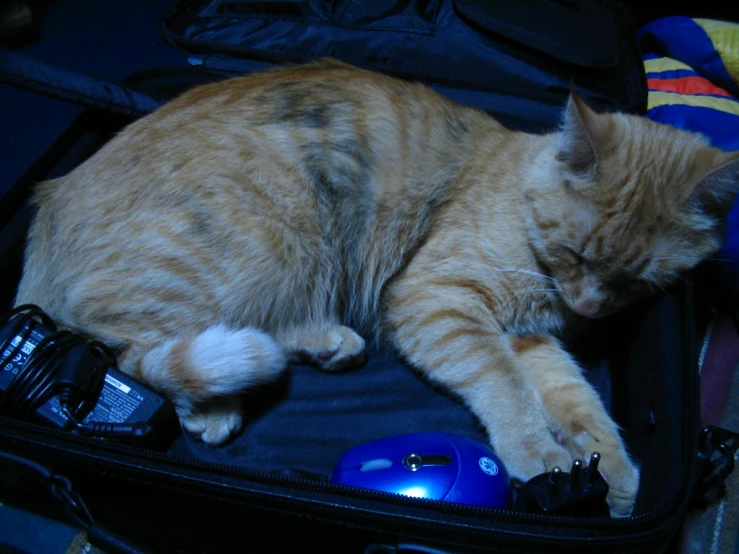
(580, 493)
(79, 379)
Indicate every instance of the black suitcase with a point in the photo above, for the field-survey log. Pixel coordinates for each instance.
(265, 491)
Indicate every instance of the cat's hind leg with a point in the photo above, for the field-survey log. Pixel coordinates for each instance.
(203, 374)
(331, 347)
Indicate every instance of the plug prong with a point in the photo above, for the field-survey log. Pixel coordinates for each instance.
(555, 476)
(594, 461)
(575, 471)
(593, 466)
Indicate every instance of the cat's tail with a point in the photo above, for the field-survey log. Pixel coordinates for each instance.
(215, 363)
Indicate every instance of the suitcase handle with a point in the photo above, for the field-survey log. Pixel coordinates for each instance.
(23, 72)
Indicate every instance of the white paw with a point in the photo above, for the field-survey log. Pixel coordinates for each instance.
(215, 423)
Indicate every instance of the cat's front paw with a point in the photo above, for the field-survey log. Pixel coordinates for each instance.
(216, 422)
(525, 457)
(622, 477)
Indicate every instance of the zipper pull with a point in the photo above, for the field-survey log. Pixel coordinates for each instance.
(716, 451)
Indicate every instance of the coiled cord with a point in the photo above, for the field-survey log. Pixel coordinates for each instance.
(63, 364)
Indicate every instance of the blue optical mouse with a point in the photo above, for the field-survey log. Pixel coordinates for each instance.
(436, 466)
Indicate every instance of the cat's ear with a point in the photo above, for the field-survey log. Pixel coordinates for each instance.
(715, 193)
(577, 146)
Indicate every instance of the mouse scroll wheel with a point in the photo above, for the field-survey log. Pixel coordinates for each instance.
(414, 462)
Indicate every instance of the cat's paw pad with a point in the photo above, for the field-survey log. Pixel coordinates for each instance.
(215, 423)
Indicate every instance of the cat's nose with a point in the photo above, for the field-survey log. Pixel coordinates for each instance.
(586, 307)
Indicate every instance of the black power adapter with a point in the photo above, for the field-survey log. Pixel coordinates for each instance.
(61, 379)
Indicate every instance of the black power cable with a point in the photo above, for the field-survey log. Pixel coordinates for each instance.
(62, 364)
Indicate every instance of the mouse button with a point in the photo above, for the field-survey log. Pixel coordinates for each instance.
(390, 448)
(354, 457)
(375, 465)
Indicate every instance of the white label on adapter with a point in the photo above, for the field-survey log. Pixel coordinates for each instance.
(22, 348)
(117, 384)
(27, 348)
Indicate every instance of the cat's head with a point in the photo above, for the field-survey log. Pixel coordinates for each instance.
(624, 205)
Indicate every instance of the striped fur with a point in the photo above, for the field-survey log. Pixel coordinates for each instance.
(263, 218)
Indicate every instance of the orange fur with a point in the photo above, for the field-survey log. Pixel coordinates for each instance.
(275, 212)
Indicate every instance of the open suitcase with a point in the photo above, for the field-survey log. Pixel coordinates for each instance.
(268, 490)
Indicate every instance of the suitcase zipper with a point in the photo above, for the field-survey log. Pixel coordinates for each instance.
(320, 486)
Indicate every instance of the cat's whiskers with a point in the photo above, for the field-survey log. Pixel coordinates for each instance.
(527, 291)
(541, 276)
(675, 275)
(659, 259)
(672, 299)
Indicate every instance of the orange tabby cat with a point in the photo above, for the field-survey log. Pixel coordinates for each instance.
(262, 217)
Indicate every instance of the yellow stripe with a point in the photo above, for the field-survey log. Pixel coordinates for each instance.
(725, 38)
(661, 98)
(715, 24)
(658, 65)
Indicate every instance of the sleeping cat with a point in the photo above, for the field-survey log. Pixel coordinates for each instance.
(265, 217)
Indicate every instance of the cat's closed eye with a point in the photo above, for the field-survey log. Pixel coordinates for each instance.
(630, 284)
(573, 256)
